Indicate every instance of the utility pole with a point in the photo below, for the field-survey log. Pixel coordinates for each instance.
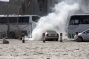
(8, 24)
(8, 27)
(19, 32)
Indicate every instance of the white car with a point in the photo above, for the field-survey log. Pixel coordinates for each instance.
(50, 36)
(83, 36)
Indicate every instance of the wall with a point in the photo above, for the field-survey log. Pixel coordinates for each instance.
(35, 7)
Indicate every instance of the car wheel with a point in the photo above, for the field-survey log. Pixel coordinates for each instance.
(56, 39)
(44, 41)
(80, 39)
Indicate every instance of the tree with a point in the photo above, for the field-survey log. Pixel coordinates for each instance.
(25, 5)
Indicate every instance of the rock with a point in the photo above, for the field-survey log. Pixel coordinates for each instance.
(5, 41)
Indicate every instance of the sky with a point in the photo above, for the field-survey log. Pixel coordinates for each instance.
(4, 0)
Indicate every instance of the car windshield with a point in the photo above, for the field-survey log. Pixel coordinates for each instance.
(86, 31)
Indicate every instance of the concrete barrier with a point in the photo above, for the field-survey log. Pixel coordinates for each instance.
(61, 37)
(43, 37)
(23, 38)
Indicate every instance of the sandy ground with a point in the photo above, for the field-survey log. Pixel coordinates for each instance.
(39, 50)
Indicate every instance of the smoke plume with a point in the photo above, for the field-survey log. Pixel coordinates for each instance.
(58, 19)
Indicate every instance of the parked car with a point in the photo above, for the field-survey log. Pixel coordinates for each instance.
(82, 36)
(50, 36)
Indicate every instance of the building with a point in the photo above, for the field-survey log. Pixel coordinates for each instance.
(21, 7)
(32, 7)
(10, 7)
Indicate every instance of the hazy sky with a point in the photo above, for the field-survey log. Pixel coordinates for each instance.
(5, 0)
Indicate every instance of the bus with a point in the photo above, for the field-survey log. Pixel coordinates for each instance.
(78, 23)
(12, 25)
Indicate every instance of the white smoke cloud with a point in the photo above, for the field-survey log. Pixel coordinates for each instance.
(4, 0)
(57, 20)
